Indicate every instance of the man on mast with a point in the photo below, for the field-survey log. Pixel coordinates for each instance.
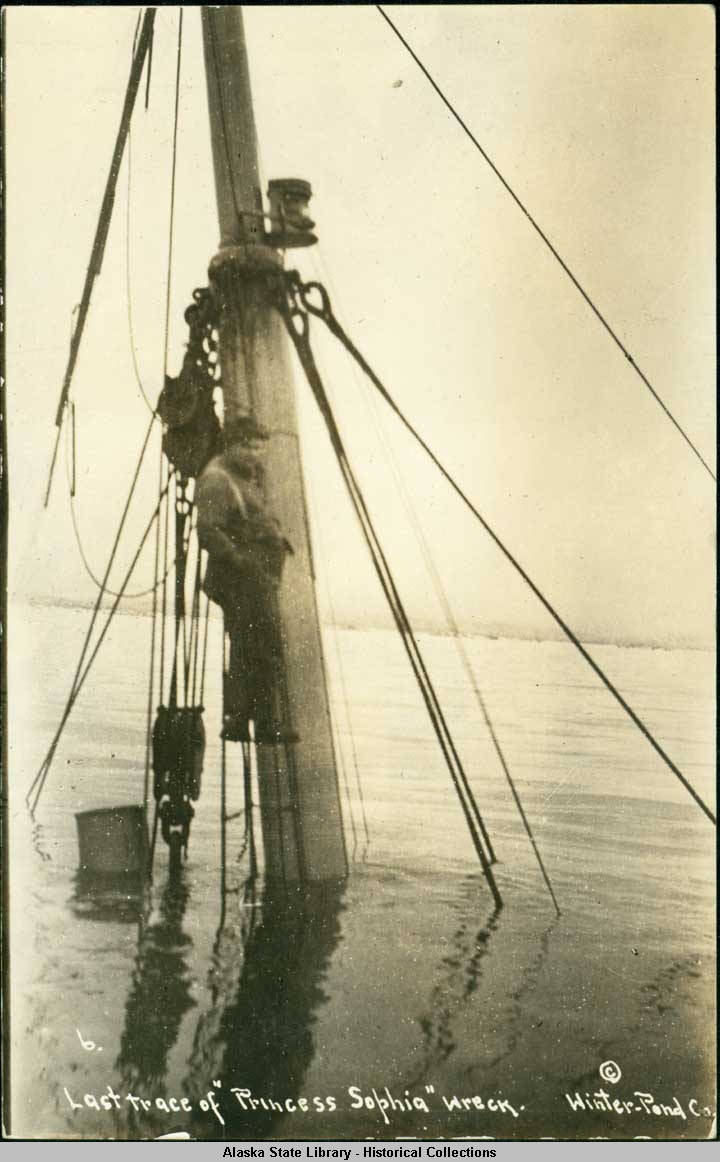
(246, 554)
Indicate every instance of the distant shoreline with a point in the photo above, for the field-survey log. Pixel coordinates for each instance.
(491, 633)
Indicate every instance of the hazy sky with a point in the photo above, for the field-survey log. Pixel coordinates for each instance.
(602, 118)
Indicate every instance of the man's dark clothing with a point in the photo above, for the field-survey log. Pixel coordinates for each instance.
(246, 552)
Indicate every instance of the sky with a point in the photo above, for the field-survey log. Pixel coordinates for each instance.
(600, 117)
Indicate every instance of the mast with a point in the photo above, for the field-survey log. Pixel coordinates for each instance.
(298, 785)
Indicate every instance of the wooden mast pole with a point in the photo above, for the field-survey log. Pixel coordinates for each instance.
(300, 806)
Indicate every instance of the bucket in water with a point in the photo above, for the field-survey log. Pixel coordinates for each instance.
(112, 840)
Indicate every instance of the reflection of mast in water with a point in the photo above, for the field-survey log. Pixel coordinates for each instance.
(159, 995)
(259, 1036)
(231, 939)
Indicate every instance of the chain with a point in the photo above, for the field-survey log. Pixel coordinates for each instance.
(202, 353)
(191, 429)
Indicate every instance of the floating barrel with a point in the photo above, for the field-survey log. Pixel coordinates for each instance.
(112, 840)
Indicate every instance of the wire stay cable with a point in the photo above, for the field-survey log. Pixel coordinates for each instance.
(596, 311)
(128, 282)
(323, 573)
(325, 313)
(113, 552)
(173, 171)
(82, 673)
(101, 232)
(450, 620)
(104, 589)
(153, 636)
(457, 773)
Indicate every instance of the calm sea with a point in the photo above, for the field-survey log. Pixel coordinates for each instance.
(400, 1004)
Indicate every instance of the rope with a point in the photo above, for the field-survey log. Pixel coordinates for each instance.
(105, 589)
(168, 293)
(249, 833)
(70, 472)
(230, 168)
(151, 680)
(325, 313)
(151, 859)
(204, 654)
(451, 622)
(195, 629)
(345, 701)
(191, 655)
(180, 574)
(73, 434)
(467, 665)
(163, 605)
(314, 254)
(180, 548)
(149, 72)
(223, 825)
(80, 677)
(613, 334)
(455, 768)
(389, 588)
(103, 225)
(137, 30)
(172, 193)
(128, 282)
(116, 542)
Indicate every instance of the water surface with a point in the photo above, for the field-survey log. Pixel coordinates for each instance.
(404, 977)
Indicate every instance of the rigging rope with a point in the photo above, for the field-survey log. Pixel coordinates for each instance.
(123, 518)
(104, 589)
(128, 282)
(81, 675)
(324, 312)
(204, 653)
(172, 192)
(164, 471)
(103, 225)
(153, 635)
(229, 166)
(316, 255)
(166, 539)
(612, 333)
(73, 478)
(249, 833)
(345, 699)
(467, 666)
(452, 623)
(149, 72)
(455, 768)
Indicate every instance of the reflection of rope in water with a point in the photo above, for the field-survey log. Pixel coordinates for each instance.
(659, 995)
(463, 969)
(529, 980)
